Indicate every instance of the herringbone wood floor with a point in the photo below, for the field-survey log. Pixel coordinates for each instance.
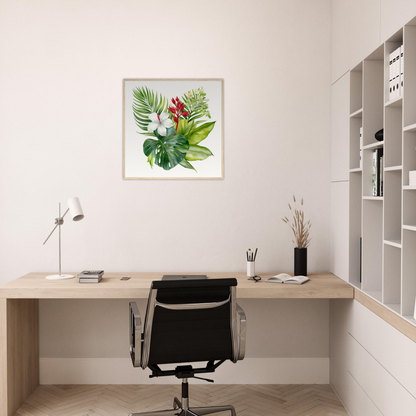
(121, 400)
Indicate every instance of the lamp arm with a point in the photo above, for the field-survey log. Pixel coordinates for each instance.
(58, 221)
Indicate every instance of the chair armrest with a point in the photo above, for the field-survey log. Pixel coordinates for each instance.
(241, 331)
(135, 335)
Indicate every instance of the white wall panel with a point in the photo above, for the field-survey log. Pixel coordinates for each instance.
(339, 229)
(340, 118)
(364, 29)
(394, 15)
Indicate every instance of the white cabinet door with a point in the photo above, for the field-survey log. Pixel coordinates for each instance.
(339, 229)
(364, 29)
(394, 15)
(340, 38)
(340, 119)
(371, 362)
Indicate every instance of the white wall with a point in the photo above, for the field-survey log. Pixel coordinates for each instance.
(61, 71)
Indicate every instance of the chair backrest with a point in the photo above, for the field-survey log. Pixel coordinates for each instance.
(190, 321)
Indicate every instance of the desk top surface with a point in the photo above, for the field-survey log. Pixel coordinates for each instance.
(35, 286)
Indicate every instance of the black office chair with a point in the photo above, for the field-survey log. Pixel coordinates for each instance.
(186, 322)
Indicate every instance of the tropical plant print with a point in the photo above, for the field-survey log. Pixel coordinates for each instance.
(176, 127)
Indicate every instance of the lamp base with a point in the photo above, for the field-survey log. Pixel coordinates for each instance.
(60, 276)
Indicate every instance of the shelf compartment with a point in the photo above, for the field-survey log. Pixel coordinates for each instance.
(373, 104)
(392, 205)
(355, 125)
(392, 274)
(409, 155)
(355, 215)
(393, 131)
(409, 208)
(395, 307)
(372, 246)
(356, 86)
(409, 273)
(368, 173)
(375, 294)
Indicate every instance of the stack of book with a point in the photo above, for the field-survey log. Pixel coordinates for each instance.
(378, 172)
(91, 276)
(412, 178)
(396, 63)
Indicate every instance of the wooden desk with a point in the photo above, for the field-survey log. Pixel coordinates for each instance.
(19, 315)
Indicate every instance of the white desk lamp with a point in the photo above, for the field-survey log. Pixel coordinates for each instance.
(75, 210)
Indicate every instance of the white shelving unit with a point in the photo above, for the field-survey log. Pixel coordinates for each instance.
(384, 227)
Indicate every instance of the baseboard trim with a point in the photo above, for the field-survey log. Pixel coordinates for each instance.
(248, 371)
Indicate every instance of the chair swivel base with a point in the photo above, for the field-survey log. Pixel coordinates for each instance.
(183, 410)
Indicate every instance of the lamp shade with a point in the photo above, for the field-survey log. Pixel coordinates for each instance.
(75, 209)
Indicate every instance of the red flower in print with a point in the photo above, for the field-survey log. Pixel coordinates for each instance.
(177, 110)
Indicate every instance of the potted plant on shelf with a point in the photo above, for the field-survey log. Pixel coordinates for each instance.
(302, 239)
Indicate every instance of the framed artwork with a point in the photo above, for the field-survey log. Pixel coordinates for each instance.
(173, 128)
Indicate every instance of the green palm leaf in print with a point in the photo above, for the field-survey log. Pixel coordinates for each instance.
(167, 151)
(146, 102)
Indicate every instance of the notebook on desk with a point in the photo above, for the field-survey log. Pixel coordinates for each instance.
(184, 276)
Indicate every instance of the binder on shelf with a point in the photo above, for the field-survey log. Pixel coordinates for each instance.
(401, 69)
(394, 74)
(397, 72)
(391, 57)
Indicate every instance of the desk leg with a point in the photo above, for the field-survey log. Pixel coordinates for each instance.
(19, 352)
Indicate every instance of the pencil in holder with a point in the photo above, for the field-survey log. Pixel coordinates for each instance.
(251, 268)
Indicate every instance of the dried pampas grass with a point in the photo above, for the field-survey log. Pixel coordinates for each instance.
(299, 227)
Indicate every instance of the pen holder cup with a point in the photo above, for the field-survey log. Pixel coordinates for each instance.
(251, 268)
